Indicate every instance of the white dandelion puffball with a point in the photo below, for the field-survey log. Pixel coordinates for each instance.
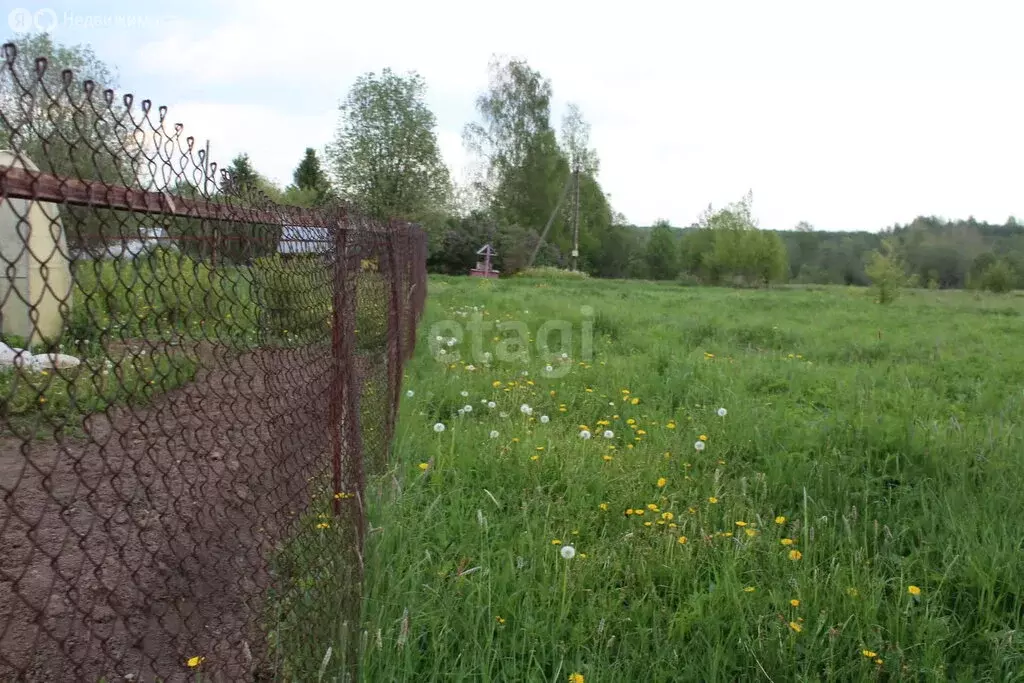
(470, 367)
(699, 445)
(439, 338)
(439, 427)
(440, 352)
(502, 414)
(722, 412)
(483, 401)
(524, 373)
(464, 394)
(568, 552)
(584, 434)
(492, 404)
(451, 342)
(548, 368)
(410, 393)
(494, 433)
(526, 409)
(467, 408)
(608, 434)
(544, 419)
(564, 355)
(488, 356)
(461, 412)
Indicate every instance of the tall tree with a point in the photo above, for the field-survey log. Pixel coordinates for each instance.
(385, 157)
(523, 171)
(661, 252)
(310, 180)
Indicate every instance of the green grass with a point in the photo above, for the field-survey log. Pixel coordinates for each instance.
(887, 437)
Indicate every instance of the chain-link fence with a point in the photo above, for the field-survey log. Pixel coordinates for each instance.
(194, 382)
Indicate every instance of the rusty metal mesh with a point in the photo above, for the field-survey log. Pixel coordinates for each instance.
(193, 385)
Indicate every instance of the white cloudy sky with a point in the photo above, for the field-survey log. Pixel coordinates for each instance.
(849, 115)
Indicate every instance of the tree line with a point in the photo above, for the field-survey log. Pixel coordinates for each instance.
(385, 159)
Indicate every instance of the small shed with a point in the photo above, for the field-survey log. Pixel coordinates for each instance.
(304, 240)
(36, 292)
(484, 269)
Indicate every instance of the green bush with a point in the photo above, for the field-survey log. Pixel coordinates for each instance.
(998, 277)
(293, 296)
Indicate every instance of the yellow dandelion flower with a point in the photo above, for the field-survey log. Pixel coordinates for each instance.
(750, 532)
(749, 589)
(615, 417)
(634, 401)
(869, 654)
(647, 523)
(786, 541)
(795, 555)
(323, 525)
(681, 540)
(603, 506)
(589, 390)
(795, 626)
(703, 437)
(671, 425)
(584, 428)
(639, 511)
(640, 432)
(667, 516)
(852, 592)
(794, 602)
(780, 520)
(672, 525)
(914, 590)
(576, 678)
(515, 439)
(193, 662)
(629, 511)
(556, 541)
(540, 448)
(741, 524)
(629, 445)
(424, 465)
(563, 409)
(712, 500)
(552, 393)
(652, 507)
(500, 620)
(631, 421)
(607, 458)
(692, 511)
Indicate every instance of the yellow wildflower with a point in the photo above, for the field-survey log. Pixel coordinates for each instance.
(703, 437)
(786, 541)
(795, 626)
(667, 516)
(741, 524)
(634, 401)
(795, 555)
(749, 589)
(629, 511)
(712, 500)
(603, 506)
(534, 458)
(780, 520)
(794, 602)
(576, 678)
(671, 425)
(424, 465)
(193, 662)
(914, 590)
(681, 540)
(607, 458)
(499, 620)
(323, 525)
(652, 507)
(640, 432)
(869, 654)
(555, 541)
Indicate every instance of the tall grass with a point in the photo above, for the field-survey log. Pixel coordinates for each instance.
(879, 443)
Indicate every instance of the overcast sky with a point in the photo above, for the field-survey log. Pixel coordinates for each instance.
(851, 116)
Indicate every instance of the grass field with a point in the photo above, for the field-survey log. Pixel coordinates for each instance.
(855, 515)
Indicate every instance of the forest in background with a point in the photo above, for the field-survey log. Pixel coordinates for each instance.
(385, 160)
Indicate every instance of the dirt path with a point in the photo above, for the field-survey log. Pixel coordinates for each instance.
(125, 553)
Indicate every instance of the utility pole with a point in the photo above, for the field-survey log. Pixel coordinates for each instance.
(576, 218)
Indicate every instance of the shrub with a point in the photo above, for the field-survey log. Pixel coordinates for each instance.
(550, 272)
(998, 277)
(293, 297)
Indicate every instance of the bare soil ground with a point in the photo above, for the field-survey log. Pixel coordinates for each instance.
(124, 553)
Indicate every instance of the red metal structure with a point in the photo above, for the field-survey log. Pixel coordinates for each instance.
(484, 269)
